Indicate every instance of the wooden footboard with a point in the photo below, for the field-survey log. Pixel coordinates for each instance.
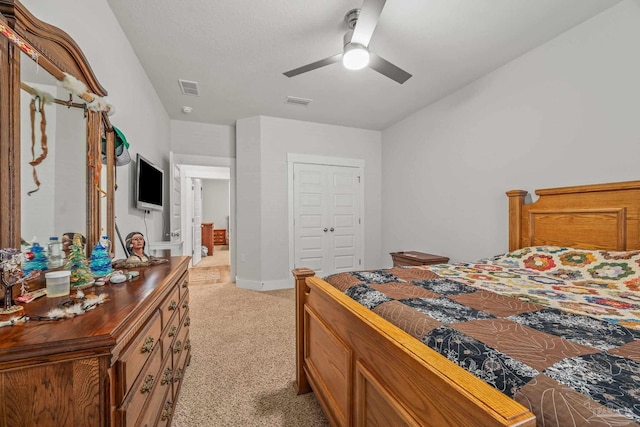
(367, 372)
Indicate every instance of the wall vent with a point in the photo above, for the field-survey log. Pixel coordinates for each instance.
(298, 101)
(189, 88)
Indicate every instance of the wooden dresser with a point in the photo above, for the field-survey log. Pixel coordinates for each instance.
(120, 364)
(207, 236)
(219, 236)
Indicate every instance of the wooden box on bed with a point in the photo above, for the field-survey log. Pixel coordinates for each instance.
(367, 372)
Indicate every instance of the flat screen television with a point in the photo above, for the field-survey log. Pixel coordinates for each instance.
(149, 184)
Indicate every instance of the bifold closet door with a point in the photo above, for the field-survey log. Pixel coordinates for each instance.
(326, 217)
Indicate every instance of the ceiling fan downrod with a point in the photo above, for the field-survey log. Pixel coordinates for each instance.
(351, 18)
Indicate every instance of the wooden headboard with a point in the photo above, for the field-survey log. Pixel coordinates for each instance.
(599, 216)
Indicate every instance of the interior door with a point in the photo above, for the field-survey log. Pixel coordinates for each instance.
(197, 221)
(175, 201)
(327, 218)
(343, 216)
(310, 245)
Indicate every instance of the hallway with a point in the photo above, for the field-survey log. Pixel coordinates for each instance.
(212, 269)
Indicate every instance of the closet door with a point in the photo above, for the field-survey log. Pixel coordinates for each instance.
(327, 217)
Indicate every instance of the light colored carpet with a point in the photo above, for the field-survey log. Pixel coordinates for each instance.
(220, 256)
(212, 269)
(242, 361)
(217, 274)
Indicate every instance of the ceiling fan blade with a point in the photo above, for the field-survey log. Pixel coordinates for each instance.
(386, 68)
(367, 21)
(326, 61)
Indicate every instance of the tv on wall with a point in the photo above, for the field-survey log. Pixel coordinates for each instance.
(149, 184)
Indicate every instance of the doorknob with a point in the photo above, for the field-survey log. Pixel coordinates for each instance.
(331, 229)
(325, 229)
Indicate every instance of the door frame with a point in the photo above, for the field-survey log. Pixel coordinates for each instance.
(292, 159)
(196, 228)
(208, 167)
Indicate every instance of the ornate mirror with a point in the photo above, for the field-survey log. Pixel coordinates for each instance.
(52, 120)
(53, 167)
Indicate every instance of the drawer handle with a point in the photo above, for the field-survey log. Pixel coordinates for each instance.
(185, 304)
(187, 321)
(147, 347)
(167, 376)
(147, 385)
(185, 283)
(166, 413)
(172, 331)
(187, 345)
(178, 347)
(172, 305)
(178, 376)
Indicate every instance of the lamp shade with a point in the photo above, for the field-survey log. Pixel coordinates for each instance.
(355, 56)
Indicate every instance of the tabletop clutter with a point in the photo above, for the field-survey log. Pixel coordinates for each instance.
(67, 272)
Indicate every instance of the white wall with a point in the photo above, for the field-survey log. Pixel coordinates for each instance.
(565, 113)
(215, 202)
(138, 110)
(248, 202)
(262, 147)
(203, 139)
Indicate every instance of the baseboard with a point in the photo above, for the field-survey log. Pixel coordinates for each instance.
(270, 285)
(273, 285)
(252, 285)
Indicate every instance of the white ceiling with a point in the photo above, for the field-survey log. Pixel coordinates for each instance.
(237, 51)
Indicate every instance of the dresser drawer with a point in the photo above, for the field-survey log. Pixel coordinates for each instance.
(181, 342)
(219, 236)
(161, 392)
(143, 388)
(180, 364)
(139, 351)
(170, 332)
(184, 305)
(183, 285)
(179, 358)
(170, 305)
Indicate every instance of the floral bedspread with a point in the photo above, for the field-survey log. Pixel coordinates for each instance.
(601, 284)
(556, 329)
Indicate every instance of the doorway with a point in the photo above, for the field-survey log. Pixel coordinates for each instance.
(205, 168)
(215, 218)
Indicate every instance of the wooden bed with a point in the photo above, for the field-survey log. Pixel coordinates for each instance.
(367, 372)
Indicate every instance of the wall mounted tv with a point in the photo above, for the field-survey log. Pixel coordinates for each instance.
(149, 184)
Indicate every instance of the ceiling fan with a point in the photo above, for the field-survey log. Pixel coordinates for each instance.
(356, 55)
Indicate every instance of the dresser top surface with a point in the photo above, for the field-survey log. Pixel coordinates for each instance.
(98, 327)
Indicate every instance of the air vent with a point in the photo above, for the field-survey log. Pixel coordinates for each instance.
(189, 88)
(298, 101)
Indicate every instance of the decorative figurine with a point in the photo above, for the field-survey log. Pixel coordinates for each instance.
(135, 245)
(100, 260)
(37, 259)
(81, 275)
(11, 274)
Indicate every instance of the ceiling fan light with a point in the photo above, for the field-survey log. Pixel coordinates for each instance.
(355, 56)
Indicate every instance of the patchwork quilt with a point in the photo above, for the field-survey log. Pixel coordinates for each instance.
(556, 329)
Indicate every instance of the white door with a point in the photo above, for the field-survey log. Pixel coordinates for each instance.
(197, 221)
(176, 202)
(326, 218)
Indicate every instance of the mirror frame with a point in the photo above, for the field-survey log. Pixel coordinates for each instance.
(57, 53)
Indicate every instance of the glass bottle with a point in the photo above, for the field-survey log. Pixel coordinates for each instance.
(106, 244)
(54, 252)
